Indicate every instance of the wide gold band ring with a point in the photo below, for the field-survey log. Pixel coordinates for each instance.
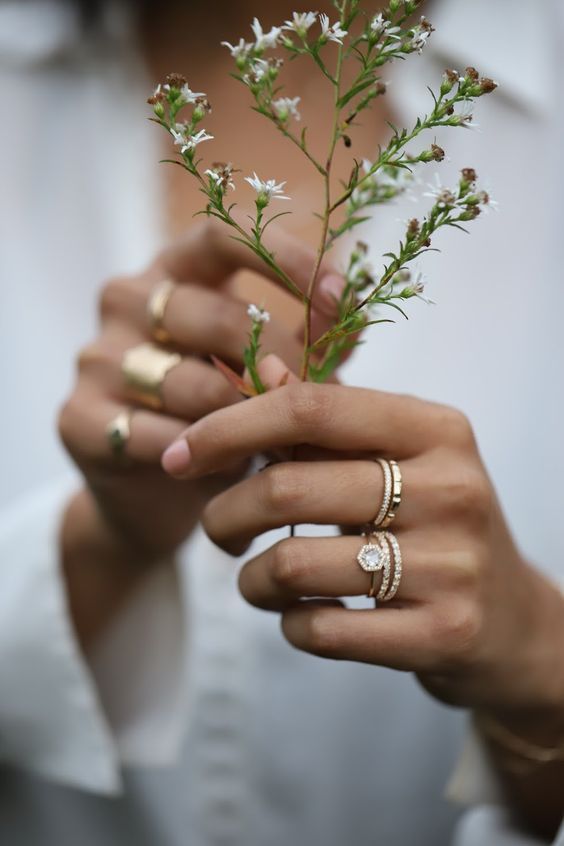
(156, 307)
(144, 369)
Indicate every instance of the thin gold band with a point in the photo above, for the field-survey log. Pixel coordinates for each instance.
(156, 307)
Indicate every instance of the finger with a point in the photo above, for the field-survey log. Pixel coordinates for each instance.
(190, 389)
(274, 372)
(293, 493)
(209, 254)
(400, 638)
(299, 567)
(201, 321)
(83, 427)
(329, 416)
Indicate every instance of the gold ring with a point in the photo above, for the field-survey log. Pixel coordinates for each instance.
(118, 432)
(391, 499)
(374, 557)
(156, 307)
(382, 553)
(144, 368)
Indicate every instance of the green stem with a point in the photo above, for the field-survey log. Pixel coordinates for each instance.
(327, 211)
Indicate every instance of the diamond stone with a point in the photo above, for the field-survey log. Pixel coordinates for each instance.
(370, 558)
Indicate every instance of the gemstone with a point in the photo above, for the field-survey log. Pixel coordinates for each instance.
(370, 558)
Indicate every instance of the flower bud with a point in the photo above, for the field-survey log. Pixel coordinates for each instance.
(487, 85)
(158, 109)
(471, 213)
(394, 6)
(450, 78)
(176, 80)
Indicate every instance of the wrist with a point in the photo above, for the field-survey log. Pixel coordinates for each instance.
(100, 569)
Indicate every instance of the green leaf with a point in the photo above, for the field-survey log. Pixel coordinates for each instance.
(356, 89)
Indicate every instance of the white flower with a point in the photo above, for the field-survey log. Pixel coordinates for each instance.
(301, 22)
(242, 49)
(190, 96)
(466, 117)
(416, 289)
(265, 39)
(286, 106)
(443, 197)
(421, 34)
(268, 189)
(188, 143)
(259, 69)
(258, 315)
(331, 32)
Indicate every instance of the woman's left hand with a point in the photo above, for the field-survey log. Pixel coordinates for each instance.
(478, 625)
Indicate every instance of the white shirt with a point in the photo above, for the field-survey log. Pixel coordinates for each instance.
(228, 736)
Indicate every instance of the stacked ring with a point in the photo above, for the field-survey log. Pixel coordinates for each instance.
(391, 499)
(382, 554)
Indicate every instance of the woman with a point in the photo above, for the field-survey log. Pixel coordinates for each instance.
(277, 745)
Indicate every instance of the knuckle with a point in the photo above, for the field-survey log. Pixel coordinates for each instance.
(112, 296)
(288, 563)
(465, 567)
(283, 488)
(458, 633)
(457, 428)
(69, 422)
(91, 356)
(469, 494)
(321, 636)
(309, 405)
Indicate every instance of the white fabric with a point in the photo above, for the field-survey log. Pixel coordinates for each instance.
(269, 746)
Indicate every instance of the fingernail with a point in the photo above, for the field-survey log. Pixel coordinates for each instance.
(176, 458)
(331, 288)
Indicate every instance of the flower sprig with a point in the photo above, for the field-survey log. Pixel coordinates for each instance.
(371, 41)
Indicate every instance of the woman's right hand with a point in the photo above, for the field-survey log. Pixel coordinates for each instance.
(148, 511)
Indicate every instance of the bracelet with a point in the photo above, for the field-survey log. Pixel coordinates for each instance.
(529, 754)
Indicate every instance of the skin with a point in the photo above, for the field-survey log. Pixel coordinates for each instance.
(472, 619)
(130, 516)
(479, 626)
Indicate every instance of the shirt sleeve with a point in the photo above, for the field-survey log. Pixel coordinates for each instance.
(487, 822)
(492, 826)
(62, 716)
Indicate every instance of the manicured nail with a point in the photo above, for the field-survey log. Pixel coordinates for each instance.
(176, 458)
(331, 288)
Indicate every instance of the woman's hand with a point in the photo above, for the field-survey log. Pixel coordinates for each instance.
(478, 625)
(131, 511)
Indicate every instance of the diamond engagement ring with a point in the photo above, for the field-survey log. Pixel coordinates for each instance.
(382, 554)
